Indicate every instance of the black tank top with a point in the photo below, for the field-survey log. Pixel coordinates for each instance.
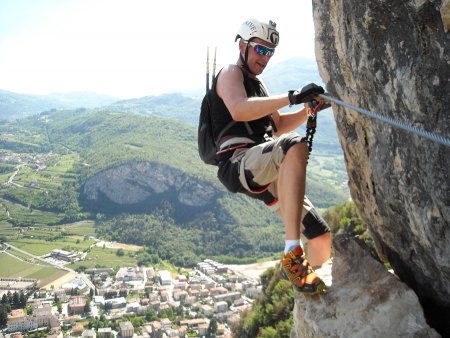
(221, 115)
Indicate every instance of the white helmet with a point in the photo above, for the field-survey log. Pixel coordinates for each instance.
(255, 29)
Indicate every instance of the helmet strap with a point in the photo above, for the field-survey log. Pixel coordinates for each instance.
(244, 60)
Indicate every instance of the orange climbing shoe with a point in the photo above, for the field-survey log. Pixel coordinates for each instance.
(297, 270)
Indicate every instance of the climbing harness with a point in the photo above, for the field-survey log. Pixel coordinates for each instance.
(418, 131)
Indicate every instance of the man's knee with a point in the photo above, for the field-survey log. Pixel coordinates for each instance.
(292, 142)
(321, 242)
(323, 239)
(297, 153)
(299, 150)
(314, 225)
(319, 249)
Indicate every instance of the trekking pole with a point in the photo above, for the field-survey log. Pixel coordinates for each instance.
(207, 68)
(389, 120)
(214, 64)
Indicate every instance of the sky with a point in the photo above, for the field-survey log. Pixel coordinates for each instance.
(134, 48)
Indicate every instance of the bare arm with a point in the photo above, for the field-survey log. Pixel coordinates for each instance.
(230, 88)
(290, 121)
(286, 122)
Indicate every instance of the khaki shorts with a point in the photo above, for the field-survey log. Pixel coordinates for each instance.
(257, 169)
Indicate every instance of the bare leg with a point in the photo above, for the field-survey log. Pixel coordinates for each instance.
(291, 193)
(291, 188)
(319, 249)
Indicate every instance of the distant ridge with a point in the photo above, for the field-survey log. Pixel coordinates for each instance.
(279, 77)
(16, 105)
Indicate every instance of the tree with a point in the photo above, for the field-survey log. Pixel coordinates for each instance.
(16, 301)
(168, 313)
(179, 311)
(271, 313)
(137, 321)
(108, 306)
(87, 306)
(212, 328)
(151, 315)
(29, 310)
(3, 315)
(22, 300)
(268, 332)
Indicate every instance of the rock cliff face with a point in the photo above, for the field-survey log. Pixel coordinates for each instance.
(139, 182)
(363, 300)
(393, 57)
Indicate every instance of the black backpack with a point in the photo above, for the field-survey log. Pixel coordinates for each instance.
(208, 144)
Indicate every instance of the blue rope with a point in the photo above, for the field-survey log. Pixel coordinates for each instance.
(424, 133)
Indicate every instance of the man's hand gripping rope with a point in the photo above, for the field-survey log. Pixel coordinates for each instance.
(309, 95)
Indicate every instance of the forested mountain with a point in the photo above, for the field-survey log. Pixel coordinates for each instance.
(279, 78)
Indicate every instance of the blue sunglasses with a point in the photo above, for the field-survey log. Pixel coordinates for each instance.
(261, 49)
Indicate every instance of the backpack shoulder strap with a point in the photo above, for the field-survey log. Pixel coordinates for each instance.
(232, 122)
(247, 125)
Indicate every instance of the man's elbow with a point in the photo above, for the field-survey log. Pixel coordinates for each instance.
(278, 134)
(240, 110)
(238, 116)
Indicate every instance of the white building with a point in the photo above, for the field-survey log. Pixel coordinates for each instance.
(99, 300)
(66, 256)
(207, 310)
(41, 317)
(117, 302)
(221, 306)
(130, 274)
(126, 329)
(77, 283)
(165, 277)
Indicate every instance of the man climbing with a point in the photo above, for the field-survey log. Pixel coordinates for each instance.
(262, 157)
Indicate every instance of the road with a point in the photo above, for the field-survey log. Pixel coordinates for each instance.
(11, 178)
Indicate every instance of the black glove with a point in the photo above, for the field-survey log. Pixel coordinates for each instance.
(306, 94)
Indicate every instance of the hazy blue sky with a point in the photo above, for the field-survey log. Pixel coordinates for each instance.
(133, 48)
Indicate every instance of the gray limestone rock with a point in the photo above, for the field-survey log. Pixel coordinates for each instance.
(134, 182)
(393, 57)
(363, 300)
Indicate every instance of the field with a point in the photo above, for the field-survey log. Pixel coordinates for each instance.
(40, 241)
(13, 267)
(253, 270)
(106, 258)
(328, 169)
